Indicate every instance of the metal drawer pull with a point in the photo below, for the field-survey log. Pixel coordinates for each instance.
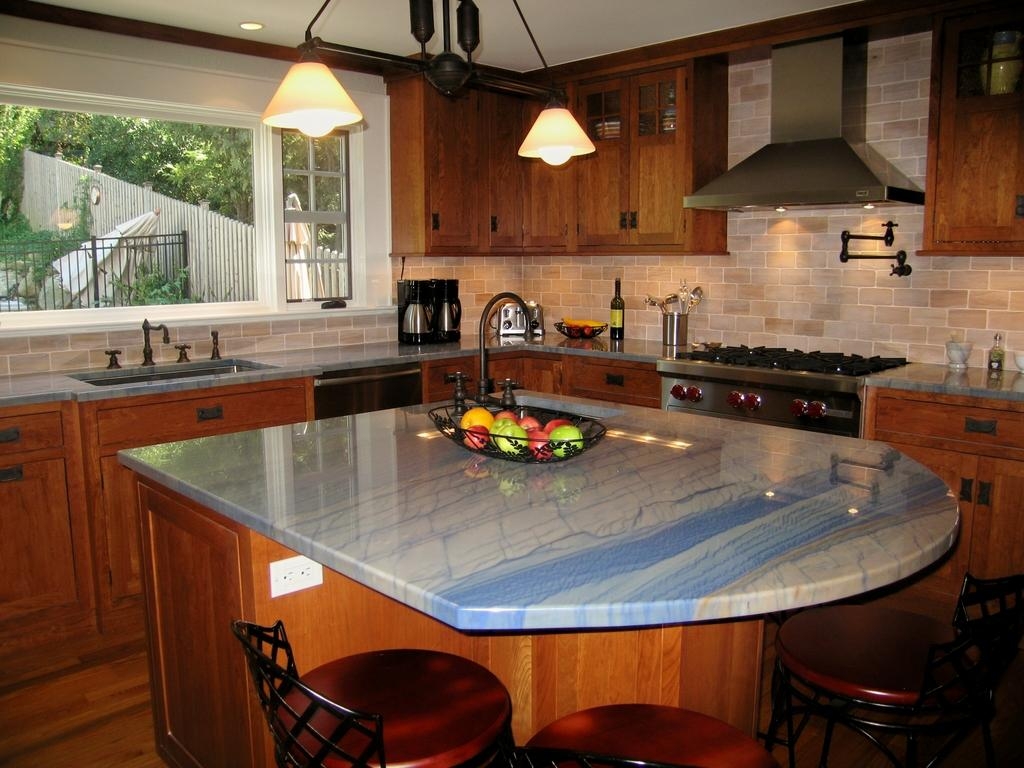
(966, 489)
(11, 435)
(615, 379)
(209, 414)
(11, 474)
(980, 426)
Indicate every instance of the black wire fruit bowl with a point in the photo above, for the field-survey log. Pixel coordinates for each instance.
(549, 435)
(582, 330)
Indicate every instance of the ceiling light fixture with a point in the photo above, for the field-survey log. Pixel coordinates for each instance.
(310, 98)
(251, 26)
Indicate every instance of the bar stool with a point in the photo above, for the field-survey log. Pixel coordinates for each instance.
(880, 671)
(645, 734)
(404, 707)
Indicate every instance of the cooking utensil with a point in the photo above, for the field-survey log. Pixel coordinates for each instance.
(696, 296)
(653, 301)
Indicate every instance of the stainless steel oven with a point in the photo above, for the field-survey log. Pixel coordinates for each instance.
(815, 391)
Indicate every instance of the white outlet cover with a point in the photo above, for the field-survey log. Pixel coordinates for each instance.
(294, 574)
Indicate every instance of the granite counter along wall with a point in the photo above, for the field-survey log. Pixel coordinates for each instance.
(781, 284)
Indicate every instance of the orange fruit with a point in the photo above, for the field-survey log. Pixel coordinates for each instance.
(476, 415)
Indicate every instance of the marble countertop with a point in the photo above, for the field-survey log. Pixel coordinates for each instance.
(670, 518)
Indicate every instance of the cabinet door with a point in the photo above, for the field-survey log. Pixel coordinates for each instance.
(976, 195)
(543, 373)
(997, 545)
(656, 162)
(959, 472)
(121, 530)
(36, 548)
(504, 220)
(603, 176)
(549, 198)
(452, 151)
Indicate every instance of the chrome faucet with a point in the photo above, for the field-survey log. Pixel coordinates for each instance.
(147, 349)
(485, 386)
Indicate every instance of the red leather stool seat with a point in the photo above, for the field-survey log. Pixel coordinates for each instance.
(654, 733)
(831, 648)
(439, 709)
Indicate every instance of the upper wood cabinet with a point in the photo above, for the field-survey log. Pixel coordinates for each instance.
(974, 202)
(436, 169)
(654, 145)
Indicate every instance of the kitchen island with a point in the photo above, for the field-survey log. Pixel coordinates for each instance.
(639, 571)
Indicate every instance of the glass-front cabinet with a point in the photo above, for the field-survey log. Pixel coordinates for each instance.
(975, 197)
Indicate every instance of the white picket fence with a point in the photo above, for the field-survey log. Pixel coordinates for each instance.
(221, 250)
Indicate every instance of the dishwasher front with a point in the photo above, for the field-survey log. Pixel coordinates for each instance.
(340, 393)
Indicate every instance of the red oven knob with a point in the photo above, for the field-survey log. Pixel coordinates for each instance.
(748, 401)
(694, 394)
(798, 407)
(678, 392)
(816, 410)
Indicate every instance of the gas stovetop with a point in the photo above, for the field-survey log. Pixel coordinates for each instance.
(778, 367)
(794, 360)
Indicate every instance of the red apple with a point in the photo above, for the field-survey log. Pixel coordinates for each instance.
(538, 443)
(476, 436)
(555, 423)
(529, 422)
(506, 415)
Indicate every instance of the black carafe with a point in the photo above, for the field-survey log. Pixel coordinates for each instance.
(447, 310)
(415, 312)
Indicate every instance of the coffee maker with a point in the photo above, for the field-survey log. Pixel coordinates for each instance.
(416, 303)
(447, 311)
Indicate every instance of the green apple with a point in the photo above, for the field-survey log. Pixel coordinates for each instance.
(566, 440)
(511, 439)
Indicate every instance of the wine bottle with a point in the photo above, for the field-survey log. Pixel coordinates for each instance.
(996, 354)
(618, 307)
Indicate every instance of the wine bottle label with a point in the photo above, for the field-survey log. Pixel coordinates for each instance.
(616, 318)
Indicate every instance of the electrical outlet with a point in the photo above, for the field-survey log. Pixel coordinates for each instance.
(293, 574)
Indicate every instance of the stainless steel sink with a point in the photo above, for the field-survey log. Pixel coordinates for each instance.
(166, 372)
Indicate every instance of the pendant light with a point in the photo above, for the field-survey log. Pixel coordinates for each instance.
(311, 100)
(555, 136)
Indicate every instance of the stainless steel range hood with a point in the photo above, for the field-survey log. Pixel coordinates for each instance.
(816, 157)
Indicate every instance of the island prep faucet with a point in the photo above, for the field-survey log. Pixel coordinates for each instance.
(485, 385)
(147, 349)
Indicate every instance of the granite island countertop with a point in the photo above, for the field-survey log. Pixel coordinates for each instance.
(671, 518)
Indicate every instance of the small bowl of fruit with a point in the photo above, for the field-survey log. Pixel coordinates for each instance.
(523, 433)
(580, 329)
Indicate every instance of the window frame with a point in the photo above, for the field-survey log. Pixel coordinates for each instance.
(119, 75)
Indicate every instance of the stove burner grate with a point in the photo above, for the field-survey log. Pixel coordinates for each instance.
(795, 360)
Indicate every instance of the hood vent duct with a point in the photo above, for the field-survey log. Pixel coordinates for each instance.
(816, 157)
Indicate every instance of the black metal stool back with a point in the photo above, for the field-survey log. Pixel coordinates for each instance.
(992, 611)
(543, 757)
(309, 729)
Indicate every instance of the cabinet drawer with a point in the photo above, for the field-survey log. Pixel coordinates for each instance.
(983, 428)
(210, 414)
(30, 433)
(436, 389)
(634, 383)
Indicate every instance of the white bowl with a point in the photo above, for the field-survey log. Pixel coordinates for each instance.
(958, 352)
(1018, 358)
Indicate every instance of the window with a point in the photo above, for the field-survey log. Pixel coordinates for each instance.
(315, 176)
(105, 211)
(52, 67)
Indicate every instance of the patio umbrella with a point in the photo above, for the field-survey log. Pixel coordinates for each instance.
(298, 248)
(75, 269)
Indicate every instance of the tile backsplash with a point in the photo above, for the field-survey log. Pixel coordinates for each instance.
(781, 284)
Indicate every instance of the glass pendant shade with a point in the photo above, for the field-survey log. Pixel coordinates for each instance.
(555, 137)
(310, 99)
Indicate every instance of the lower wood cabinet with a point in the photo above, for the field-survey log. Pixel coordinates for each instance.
(977, 447)
(117, 423)
(620, 381)
(46, 589)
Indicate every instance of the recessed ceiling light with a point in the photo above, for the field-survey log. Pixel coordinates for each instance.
(251, 26)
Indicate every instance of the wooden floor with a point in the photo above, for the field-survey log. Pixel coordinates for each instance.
(96, 714)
